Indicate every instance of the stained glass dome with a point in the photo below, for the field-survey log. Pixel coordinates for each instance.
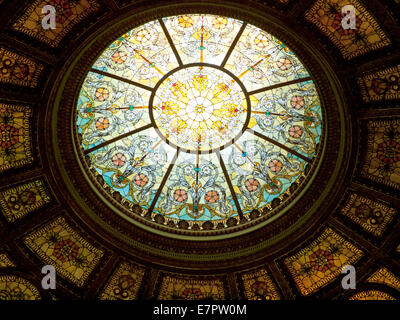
(199, 118)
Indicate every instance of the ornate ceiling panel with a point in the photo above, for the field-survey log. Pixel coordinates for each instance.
(352, 42)
(217, 150)
(15, 130)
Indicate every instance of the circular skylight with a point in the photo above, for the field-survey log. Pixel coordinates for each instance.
(200, 108)
(199, 118)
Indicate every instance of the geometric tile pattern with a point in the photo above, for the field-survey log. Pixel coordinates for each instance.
(186, 288)
(124, 283)
(367, 36)
(68, 14)
(16, 202)
(384, 276)
(15, 139)
(370, 215)
(372, 295)
(321, 262)
(259, 286)
(16, 288)
(5, 261)
(59, 245)
(18, 70)
(381, 85)
(382, 160)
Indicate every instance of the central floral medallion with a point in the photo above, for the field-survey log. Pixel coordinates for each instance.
(200, 108)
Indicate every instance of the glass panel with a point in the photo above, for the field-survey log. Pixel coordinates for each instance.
(290, 115)
(202, 38)
(134, 166)
(142, 55)
(108, 108)
(261, 60)
(196, 190)
(260, 171)
(199, 109)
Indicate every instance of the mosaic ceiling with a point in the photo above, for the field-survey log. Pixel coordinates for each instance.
(225, 108)
(135, 137)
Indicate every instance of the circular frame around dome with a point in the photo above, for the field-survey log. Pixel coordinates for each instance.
(157, 239)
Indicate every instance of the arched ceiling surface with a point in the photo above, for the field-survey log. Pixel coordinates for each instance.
(57, 210)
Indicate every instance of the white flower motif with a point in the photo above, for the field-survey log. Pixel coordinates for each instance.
(206, 170)
(267, 122)
(239, 160)
(157, 157)
(144, 145)
(188, 170)
(251, 149)
(130, 100)
(130, 116)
